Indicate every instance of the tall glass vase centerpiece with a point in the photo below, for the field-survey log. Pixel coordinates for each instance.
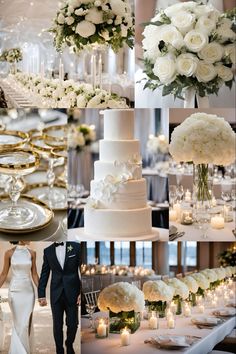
(93, 26)
(124, 302)
(12, 56)
(187, 54)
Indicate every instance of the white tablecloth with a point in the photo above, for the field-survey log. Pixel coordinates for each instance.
(209, 338)
(193, 234)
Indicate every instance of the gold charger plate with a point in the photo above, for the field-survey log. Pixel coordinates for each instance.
(46, 214)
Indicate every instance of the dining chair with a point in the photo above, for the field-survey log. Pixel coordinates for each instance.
(137, 283)
(92, 297)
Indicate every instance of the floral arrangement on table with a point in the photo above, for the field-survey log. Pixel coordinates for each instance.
(211, 275)
(228, 257)
(124, 302)
(203, 282)
(192, 287)
(157, 144)
(157, 294)
(55, 93)
(80, 136)
(86, 23)
(181, 292)
(189, 46)
(12, 55)
(203, 139)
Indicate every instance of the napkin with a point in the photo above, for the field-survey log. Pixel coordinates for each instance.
(205, 320)
(224, 312)
(169, 341)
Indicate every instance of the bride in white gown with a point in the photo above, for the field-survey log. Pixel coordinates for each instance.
(153, 99)
(22, 261)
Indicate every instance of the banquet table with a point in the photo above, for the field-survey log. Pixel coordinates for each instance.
(193, 234)
(157, 185)
(15, 98)
(208, 338)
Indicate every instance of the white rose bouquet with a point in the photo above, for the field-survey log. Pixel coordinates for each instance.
(84, 23)
(80, 136)
(124, 302)
(12, 55)
(157, 294)
(189, 46)
(203, 139)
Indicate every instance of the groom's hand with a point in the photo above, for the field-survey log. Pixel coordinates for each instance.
(42, 302)
(78, 300)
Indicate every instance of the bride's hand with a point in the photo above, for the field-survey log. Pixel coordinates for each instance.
(42, 302)
(78, 300)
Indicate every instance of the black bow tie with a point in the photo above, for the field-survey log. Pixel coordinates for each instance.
(57, 244)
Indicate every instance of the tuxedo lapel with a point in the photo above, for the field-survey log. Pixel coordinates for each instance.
(55, 257)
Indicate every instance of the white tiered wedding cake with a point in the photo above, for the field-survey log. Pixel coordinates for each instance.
(117, 207)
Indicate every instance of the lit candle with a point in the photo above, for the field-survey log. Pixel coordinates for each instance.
(201, 308)
(93, 70)
(87, 272)
(92, 271)
(101, 329)
(42, 69)
(172, 215)
(103, 269)
(217, 222)
(177, 208)
(214, 202)
(187, 196)
(213, 303)
(169, 314)
(187, 311)
(125, 337)
(61, 70)
(187, 217)
(153, 321)
(171, 323)
(173, 307)
(100, 71)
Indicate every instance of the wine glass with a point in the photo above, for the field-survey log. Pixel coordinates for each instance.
(226, 196)
(203, 221)
(180, 192)
(172, 194)
(90, 308)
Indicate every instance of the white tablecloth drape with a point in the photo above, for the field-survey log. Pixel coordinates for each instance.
(207, 341)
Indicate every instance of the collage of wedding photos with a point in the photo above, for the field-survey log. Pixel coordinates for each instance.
(117, 177)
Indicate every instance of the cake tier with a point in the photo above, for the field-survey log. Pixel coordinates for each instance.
(119, 124)
(102, 169)
(118, 223)
(122, 150)
(129, 195)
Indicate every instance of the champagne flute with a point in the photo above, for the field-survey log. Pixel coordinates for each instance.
(90, 308)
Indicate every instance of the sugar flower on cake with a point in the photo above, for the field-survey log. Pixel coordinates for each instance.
(189, 45)
(87, 24)
(120, 297)
(180, 289)
(157, 290)
(191, 283)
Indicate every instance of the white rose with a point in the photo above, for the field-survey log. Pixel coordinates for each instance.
(187, 64)
(195, 40)
(118, 20)
(61, 19)
(172, 10)
(124, 31)
(70, 20)
(97, 3)
(94, 16)
(183, 20)
(86, 1)
(75, 3)
(230, 51)
(205, 72)
(118, 7)
(205, 25)
(224, 73)
(79, 12)
(165, 69)
(211, 53)
(225, 32)
(94, 102)
(105, 34)
(170, 35)
(85, 29)
(81, 101)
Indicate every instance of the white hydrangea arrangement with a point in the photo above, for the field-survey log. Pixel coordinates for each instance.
(157, 290)
(12, 55)
(181, 290)
(121, 297)
(55, 93)
(189, 45)
(210, 274)
(202, 280)
(157, 144)
(221, 273)
(80, 136)
(86, 23)
(191, 284)
(203, 139)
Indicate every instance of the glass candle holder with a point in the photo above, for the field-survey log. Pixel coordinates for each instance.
(101, 328)
(218, 222)
(153, 320)
(187, 309)
(171, 322)
(186, 217)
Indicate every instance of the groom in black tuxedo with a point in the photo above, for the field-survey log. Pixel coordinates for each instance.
(62, 259)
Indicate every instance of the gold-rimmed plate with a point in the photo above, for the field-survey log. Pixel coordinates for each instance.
(56, 135)
(40, 215)
(41, 192)
(11, 139)
(20, 162)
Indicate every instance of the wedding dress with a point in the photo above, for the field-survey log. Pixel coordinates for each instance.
(154, 99)
(21, 301)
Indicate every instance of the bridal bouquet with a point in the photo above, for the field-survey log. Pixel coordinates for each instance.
(11, 55)
(189, 46)
(157, 293)
(84, 23)
(124, 302)
(80, 136)
(203, 139)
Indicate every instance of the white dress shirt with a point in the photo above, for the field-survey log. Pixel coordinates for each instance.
(61, 254)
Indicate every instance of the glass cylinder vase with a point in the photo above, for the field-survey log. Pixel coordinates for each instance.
(124, 319)
(158, 306)
(202, 184)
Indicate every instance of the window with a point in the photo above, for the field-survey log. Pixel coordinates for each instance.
(105, 253)
(90, 252)
(189, 254)
(122, 253)
(144, 254)
(173, 253)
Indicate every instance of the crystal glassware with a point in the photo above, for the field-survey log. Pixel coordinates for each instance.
(90, 308)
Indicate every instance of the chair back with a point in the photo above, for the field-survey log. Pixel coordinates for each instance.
(92, 297)
(137, 283)
(87, 283)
